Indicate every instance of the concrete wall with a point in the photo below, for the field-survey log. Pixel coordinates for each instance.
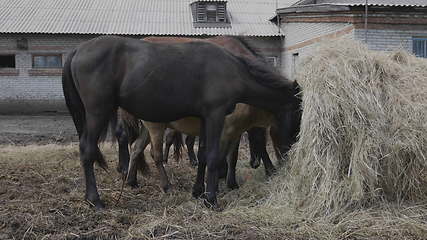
(269, 47)
(387, 39)
(301, 39)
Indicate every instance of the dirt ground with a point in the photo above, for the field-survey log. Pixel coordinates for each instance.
(32, 129)
(42, 189)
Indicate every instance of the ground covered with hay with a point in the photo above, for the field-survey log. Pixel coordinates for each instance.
(358, 171)
(42, 190)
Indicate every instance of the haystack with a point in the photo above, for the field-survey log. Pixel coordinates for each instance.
(363, 134)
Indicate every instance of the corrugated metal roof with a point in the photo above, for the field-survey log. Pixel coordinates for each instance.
(132, 17)
(209, 0)
(390, 3)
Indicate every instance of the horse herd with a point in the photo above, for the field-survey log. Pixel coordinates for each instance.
(214, 88)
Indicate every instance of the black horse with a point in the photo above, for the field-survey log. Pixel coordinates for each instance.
(163, 83)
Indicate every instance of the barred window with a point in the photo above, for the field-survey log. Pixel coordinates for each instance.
(420, 47)
(272, 61)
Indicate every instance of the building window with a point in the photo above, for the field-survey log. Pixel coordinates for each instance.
(295, 58)
(420, 47)
(47, 61)
(7, 61)
(272, 61)
(210, 13)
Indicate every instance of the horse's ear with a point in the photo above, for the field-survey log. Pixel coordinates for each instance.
(295, 84)
(296, 87)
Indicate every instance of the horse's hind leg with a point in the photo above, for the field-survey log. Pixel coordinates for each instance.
(90, 153)
(137, 160)
(123, 140)
(199, 185)
(253, 137)
(157, 132)
(232, 156)
(168, 144)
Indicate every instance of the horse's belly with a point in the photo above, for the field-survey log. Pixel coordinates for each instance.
(149, 110)
(188, 125)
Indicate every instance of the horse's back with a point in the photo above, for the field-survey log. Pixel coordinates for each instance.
(157, 81)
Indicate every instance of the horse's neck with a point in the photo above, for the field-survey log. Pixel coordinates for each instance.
(245, 117)
(262, 118)
(266, 98)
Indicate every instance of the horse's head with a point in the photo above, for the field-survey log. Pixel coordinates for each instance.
(285, 132)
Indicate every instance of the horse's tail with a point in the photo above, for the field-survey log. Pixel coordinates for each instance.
(131, 124)
(178, 144)
(72, 98)
(75, 105)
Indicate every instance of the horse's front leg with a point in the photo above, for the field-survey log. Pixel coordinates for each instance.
(258, 148)
(281, 148)
(214, 123)
(254, 134)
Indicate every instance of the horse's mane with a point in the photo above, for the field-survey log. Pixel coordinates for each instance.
(258, 66)
(265, 74)
(248, 46)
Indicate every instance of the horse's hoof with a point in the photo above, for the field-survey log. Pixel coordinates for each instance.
(233, 186)
(255, 163)
(165, 188)
(210, 202)
(133, 184)
(270, 172)
(198, 192)
(97, 204)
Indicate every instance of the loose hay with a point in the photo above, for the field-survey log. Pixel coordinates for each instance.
(363, 134)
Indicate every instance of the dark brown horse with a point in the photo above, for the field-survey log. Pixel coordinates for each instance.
(164, 83)
(128, 128)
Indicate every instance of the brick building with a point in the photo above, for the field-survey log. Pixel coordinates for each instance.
(35, 36)
(391, 24)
